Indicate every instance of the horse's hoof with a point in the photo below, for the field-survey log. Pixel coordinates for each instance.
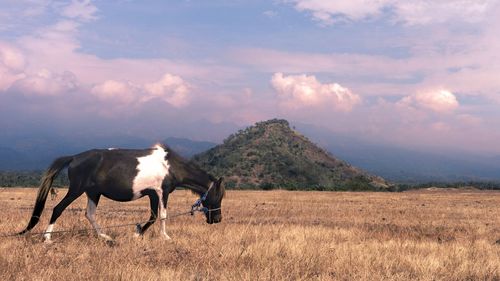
(106, 237)
(110, 243)
(48, 241)
(165, 237)
(138, 229)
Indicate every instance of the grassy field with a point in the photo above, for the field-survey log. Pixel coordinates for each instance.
(272, 235)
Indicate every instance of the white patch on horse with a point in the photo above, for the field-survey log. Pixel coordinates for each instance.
(152, 169)
(163, 217)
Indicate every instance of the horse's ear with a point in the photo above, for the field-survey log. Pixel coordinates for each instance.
(219, 182)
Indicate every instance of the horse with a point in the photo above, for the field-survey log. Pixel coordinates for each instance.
(125, 175)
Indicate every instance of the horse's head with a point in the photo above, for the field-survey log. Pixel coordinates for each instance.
(213, 202)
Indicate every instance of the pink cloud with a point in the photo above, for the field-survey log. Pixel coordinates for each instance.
(116, 92)
(46, 83)
(171, 88)
(298, 91)
(12, 64)
(422, 127)
(442, 101)
(469, 120)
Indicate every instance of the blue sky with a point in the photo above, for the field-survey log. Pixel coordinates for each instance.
(421, 74)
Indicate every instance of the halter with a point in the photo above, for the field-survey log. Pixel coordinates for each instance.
(197, 205)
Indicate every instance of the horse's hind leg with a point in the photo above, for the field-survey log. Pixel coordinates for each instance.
(58, 209)
(92, 202)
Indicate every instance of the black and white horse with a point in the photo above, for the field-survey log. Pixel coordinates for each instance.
(126, 175)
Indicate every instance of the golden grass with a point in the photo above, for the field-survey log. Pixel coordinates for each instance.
(272, 235)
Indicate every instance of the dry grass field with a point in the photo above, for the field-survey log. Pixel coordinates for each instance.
(266, 235)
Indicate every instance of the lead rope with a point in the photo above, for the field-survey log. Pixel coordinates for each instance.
(196, 207)
(80, 230)
(197, 204)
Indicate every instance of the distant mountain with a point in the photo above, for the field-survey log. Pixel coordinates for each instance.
(37, 152)
(405, 165)
(11, 159)
(34, 150)
(271, 154)
(186, 147)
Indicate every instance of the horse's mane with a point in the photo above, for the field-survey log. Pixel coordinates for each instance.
(188, 172)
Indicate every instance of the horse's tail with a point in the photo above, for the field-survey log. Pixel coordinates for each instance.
(45, 187)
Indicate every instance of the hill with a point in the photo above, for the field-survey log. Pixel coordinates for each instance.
(270, 154)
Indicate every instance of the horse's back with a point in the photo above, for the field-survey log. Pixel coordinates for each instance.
(107, 171)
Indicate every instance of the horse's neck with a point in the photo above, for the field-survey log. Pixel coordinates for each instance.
(197, 188)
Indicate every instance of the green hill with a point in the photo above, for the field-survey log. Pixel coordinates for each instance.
(272, 155)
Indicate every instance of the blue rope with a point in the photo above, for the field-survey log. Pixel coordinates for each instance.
(197, 205)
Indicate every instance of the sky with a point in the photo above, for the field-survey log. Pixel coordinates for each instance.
(420, 74)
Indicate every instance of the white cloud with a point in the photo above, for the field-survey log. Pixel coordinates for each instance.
(415, 12)
(296, 91)
(442, 101)
(425, 12)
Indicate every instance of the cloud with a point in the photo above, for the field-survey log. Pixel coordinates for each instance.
(170, 88)
(426, 12)
(327, 12)
(116, 92)
(46, 83)
(469, 120)
(15, 76)
(49, 58)
(11, 57)
(12, 64)
(416, 12)
(441, 101)
(82, 10)
(474, 66)
(297, 91)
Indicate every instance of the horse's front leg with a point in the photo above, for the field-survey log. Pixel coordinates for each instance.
(163, 214)
(153, 202)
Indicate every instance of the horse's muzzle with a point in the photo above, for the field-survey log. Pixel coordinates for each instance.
(216, 219)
